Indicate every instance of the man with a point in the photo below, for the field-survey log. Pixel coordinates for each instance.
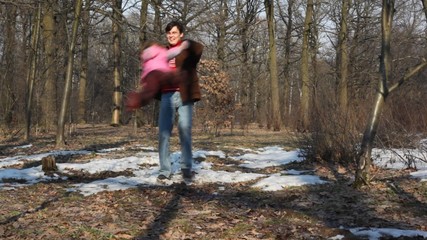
(179, 98)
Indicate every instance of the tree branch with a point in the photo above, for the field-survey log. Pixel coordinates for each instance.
(410, 73)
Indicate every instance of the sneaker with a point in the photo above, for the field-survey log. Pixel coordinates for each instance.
(162, 177)
(187, 174)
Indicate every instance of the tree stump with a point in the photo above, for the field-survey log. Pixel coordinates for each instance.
(49, 164)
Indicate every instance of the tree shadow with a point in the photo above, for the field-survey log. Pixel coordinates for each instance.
(42, 206)
(344, 205)
(168, 213)
(100, 146)
(336, 206)
(407, 200)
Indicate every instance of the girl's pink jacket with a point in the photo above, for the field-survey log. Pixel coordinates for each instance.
(157, 57)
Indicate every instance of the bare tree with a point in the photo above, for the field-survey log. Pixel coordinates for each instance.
(343, 58)
(275, 102)
(143, 36)
(117, 72)
(157, 29)
(424, 2)
(364, 161)
(84, 63)
(305, 76)
(289, 23)
(32, 71)
(7, 93)
(143, 23)
(239, 39)
(221, 28)
(246, 17)
(49, 110)
(60, 141)
(191, 13)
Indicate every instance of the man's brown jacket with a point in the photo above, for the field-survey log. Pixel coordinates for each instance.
(187, 62)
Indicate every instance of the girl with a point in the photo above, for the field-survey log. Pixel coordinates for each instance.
(156, 73)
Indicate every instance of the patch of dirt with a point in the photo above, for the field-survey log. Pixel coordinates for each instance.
(208, 211)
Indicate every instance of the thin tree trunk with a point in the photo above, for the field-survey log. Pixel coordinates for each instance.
(286, 72)
(81, 111)
(143, 24)
(32, 71)
(246, 16)
(269, 6)
(159, 36)
(305, 76)
(138, 114)
(364, 161)
(7, 92)
(221, 32)
(157, 20)
(424, 2)
(62, 40)
(117, 72)
(69, 75)
(343, 63)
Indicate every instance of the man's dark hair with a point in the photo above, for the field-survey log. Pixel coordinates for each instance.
(175, 24)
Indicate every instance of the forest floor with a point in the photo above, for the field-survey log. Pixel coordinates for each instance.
(200, 211)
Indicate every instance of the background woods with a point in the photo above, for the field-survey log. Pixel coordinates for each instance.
(311, 66)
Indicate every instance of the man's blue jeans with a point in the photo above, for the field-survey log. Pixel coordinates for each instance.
(169, 105)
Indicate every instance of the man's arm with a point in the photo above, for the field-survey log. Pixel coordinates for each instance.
(173, 52)
(195, 49)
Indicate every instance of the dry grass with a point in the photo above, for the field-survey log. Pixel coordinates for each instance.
(209, 211)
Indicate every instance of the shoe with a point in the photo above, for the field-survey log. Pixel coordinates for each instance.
(187, 174)
(162, 177)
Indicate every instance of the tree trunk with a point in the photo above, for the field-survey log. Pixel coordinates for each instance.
(269, 6)
(221, 32)
(62, 41)
(424, 2)
(246, 14)
(49, 111)
(7, 92)
(305, 76)
(32, 71)
(143, 24)
(49, 165)
(117, 72)
(286, 71)
(138, 115)
(157, 20)
(343, 58)
(69, 75)
(364, 160)
(81, 111)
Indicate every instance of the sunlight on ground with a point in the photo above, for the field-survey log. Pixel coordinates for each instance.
(144, 166)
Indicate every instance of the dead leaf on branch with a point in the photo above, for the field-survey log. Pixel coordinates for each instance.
(218, 94)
